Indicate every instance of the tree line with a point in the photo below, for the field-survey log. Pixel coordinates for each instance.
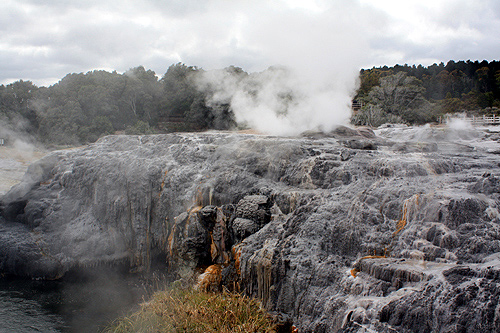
(82, 107)
(418, 94)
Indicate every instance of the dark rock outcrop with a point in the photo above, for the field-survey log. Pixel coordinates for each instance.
(342, 231)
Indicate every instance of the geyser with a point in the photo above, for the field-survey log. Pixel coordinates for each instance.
(279, 101)
(318, 61)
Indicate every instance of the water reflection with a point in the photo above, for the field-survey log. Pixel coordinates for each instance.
(85, 303)
(18, 314)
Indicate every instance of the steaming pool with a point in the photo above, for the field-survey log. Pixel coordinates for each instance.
(81, 305)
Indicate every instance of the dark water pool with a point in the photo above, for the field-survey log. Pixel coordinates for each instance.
(85, 304)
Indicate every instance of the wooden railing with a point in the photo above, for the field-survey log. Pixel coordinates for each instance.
(487, 120)
(478, 120)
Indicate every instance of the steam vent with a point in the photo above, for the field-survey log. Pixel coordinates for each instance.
(353, 230)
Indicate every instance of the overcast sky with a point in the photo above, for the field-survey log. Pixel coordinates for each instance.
(43, 40)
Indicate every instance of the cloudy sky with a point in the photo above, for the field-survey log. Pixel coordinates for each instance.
(43, 40)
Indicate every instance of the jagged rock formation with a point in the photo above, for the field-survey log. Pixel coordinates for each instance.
(343, 231)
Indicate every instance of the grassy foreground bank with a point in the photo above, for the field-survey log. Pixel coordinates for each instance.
(189, 310)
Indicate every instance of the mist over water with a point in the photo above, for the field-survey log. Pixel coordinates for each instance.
(85, 304)
(19, 314)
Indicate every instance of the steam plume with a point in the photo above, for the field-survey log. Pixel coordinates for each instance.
(321, 59)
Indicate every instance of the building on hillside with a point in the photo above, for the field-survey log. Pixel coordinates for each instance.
(356, 106)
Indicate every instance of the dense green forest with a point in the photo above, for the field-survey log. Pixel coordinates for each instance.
(418, 94)
(82, 107)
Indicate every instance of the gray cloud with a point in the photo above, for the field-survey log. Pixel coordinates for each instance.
(44, 40)
(435, 31)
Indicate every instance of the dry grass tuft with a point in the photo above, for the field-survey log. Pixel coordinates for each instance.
(188, 310)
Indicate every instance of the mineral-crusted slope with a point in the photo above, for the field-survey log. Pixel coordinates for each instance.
(343, 231)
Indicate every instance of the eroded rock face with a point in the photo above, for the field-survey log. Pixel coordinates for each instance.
(341, 231)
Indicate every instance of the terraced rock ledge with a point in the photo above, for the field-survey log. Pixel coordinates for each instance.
(392, 230)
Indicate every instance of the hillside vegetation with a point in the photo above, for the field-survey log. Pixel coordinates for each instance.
(82, 107)
(418, 95)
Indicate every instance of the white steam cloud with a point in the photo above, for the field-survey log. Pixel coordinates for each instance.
(14, 134)
(277, 101)
(321, 50)
(459, 124)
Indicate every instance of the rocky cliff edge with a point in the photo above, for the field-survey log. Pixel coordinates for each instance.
(344, 231)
